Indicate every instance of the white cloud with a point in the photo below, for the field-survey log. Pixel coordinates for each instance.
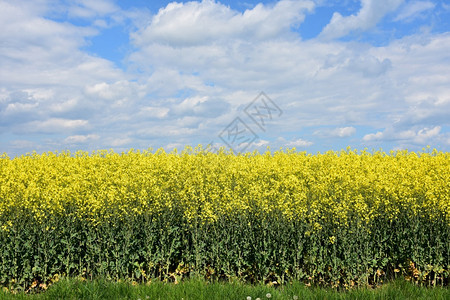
(155, 112)
(37, 51)
(23, 144)
(196, 23)
(414, 9)
(372, 11)
(172, 146)
(181, 85)
(368, 65)
(339, 132)
(118, 142)
(203, 106)
(343, 132)
(116, 93)
(20, 107)
(373, 136)
(261, 143)
(420, 136)
(80, 139)
(423, 135)
(190, 103)
(91, 9)
(299, 143)
(54, 125)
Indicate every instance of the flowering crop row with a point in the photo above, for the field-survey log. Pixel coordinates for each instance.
(207, 185)
(324, 202)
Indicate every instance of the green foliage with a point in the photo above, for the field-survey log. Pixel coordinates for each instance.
(268, 249)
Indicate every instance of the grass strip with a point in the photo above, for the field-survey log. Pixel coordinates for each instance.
(200, 289)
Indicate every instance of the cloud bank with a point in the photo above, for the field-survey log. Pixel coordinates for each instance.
(191, 68)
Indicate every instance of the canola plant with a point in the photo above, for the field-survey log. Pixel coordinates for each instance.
(340, 218)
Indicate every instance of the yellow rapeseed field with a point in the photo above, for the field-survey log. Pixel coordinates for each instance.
(204, 185)
(341, 218)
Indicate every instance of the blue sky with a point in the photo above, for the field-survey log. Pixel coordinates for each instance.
(88, 75)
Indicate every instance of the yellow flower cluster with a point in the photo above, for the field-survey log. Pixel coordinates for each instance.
(325, 187)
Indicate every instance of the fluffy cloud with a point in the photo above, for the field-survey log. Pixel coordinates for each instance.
(54, 125)
(420, 136)
(413, 10)
(195, 66)
(298, 143)
(80, 139)
(91, 9)
(262, 143)
(197, 23)
(155, 112)
(372, 11)
(45, 75)
(343, 132)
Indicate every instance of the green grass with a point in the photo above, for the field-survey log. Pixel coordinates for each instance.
(200, 289)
